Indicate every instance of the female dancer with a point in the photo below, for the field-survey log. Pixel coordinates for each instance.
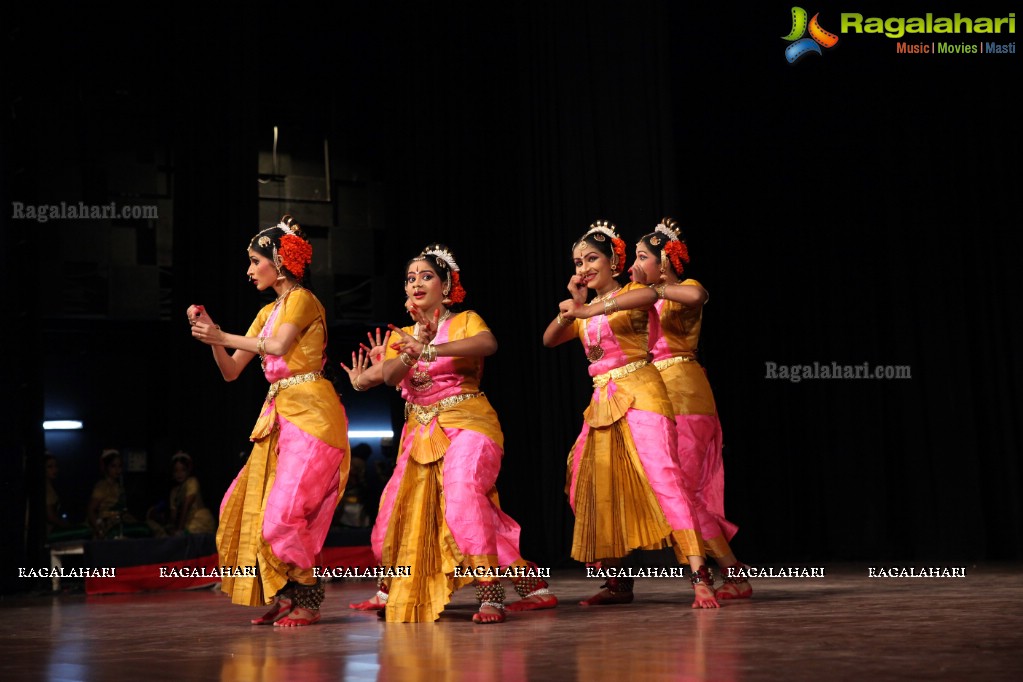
(661, 257)
(276, 514)
(624, 483)
(439, 512)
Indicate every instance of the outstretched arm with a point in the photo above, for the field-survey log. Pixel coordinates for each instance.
(689, 295)
(246, 347)
(362, 374)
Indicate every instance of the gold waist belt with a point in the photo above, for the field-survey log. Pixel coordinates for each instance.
(668, 362)
(601, 380)
(281, 384)
(427, 413)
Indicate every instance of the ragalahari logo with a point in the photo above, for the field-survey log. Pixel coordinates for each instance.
(802, 46)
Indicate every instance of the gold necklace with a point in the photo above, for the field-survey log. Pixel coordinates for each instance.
(421, 380)
(282, 296)
(595, 351)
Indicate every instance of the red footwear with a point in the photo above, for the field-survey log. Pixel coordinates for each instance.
(289, 622)
(547, 601)
(614, 591)
(736, 584)
(281, 608)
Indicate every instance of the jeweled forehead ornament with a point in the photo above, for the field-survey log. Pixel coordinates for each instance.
(601, 227)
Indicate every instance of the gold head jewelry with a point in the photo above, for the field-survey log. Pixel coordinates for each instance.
(441, 254)
(667, 227)
(601, 228)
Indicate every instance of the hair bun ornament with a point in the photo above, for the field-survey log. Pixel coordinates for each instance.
(288, 225)
(442, 254)
(602, 227)
(676, 249)
(669, 228)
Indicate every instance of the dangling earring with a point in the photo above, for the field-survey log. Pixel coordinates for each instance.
(446, 301)
(614, 263)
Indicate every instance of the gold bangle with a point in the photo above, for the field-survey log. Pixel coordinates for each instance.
(407, 360)
(660, 291)
(562, 321)
(429, 353)
(261, 346)
(357, 385)
(610, 306)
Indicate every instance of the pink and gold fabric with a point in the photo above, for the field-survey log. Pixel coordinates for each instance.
(623, 482)
(674, 341)
(440, 510)
(278, 510)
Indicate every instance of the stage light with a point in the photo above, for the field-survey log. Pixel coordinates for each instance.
(62, 425)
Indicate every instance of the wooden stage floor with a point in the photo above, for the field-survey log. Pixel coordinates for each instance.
(844, 626)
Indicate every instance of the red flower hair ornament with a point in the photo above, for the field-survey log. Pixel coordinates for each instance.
(295, 254)
(675, 249)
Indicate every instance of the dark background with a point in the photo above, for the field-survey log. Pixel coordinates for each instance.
(858, 206)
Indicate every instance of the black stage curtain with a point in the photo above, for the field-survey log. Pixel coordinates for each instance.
(854, 210)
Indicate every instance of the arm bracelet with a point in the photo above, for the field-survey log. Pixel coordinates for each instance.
(429, 353)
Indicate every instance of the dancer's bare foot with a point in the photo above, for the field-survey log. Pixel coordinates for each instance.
(374, 603)
(705, 597)
(741, 590)
(703, 589)
(488, 614)
(298, 617)
(735, 587)
(534, 602)
(282, 606)
(615, 591)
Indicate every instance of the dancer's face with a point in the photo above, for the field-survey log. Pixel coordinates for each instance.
(423, 286)
(180, 471)
(114, 468)
(592, 266)
(261, 272)
(646, 269)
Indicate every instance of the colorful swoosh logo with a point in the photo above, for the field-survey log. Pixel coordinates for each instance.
(801, 45)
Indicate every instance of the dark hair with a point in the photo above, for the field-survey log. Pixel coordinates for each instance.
(267, 243)
(612, 247)
(656, 242)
